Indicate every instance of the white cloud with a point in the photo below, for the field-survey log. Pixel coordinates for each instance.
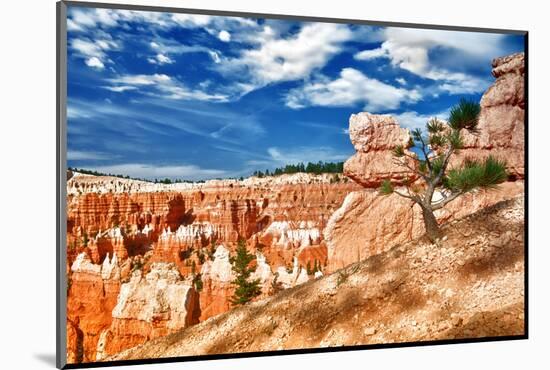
(401, 81)
(141, 170)
(277, 59)
(76, 112)
(409, 49)
(141, 79)
(412, 119)
(160, 59)
(280, 156)
(165, 47)
(73, 26)
(80, 19)
(371, 54)
(191, 20)
(162, 85)
(76, 155)
(95, 62)
(351, 87)
(215, 56)
(224, 36)
(163, 59)
(93, 52)
(121, 88)
(460, 83)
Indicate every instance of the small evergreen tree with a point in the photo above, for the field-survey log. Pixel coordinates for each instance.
(440, 143)
(85, 239)
(308, 268)
(197, 281)
(246, 289)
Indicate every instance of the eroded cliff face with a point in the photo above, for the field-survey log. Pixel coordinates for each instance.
(122, 235)
(502, 117)
(470, 285)
(92, 294)
(369, 223)
(149, 305)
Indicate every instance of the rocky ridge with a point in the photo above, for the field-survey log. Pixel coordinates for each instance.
(470, 285)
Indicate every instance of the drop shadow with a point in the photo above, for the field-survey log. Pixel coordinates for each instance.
(46, 358)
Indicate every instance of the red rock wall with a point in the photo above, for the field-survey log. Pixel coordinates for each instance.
(89, 307)
(101, 224)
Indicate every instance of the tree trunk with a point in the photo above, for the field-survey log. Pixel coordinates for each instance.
(430, 223)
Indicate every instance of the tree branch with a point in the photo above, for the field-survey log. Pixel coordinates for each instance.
(446, 159)
(404, 164)
(411, 197)
(446, 200)
(426, 157)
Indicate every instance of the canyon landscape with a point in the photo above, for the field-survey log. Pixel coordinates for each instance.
(335, 254)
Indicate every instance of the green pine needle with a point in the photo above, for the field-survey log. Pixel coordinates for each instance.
(435, 126)
(399, 151)
(475, 173)
(386, 188)
(455, 139)
(464, 115)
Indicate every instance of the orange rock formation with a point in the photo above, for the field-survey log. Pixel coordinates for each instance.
(368, 223)
(122, 231)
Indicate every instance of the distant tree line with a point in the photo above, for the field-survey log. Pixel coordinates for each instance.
(97, 173)
(315, 168)
(156, 181)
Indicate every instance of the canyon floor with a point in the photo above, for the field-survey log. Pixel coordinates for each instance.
(469, 285)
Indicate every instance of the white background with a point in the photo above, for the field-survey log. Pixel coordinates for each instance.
(27, 194)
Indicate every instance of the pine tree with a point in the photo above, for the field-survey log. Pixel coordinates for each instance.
(440, 143)
(246, 289)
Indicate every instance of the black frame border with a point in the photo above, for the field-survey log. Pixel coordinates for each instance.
(61, 168)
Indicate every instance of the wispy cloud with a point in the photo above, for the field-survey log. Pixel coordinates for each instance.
(318, 125)
(413, 120)
(160, 59)
(77, 155)
(82, 19)
(282, 156)
(151, 171)
(161, 85)
(163, 117)
(352, 87)
(93, 52)
(275, 58)
(165, 48)
(409, 49)
(120, 88)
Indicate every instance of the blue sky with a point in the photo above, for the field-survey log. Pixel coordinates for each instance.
(195, 97)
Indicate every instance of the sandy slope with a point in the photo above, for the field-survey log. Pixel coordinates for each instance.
(471, 285)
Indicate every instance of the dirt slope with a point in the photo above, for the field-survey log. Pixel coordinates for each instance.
(471, 285)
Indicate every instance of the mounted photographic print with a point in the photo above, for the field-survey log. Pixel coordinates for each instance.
(235, 184)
